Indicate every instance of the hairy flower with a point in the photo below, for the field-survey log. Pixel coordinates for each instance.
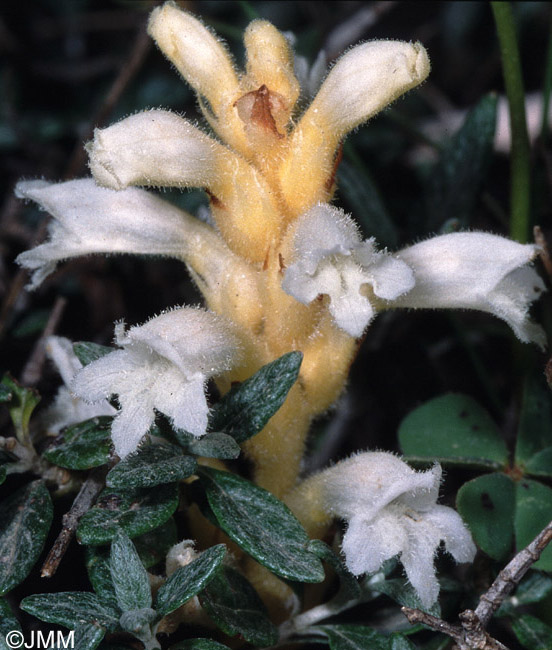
(68, 409)
(328, 257)
(469, 270)
(391, 509)
(163, 365)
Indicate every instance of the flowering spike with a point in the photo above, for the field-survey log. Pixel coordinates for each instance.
(162, 365)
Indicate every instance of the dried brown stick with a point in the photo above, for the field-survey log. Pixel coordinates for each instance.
(82, 503)
(129, 68)
(33, 368)
(471, 634)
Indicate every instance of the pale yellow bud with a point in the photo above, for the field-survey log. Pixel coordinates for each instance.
(362, 83)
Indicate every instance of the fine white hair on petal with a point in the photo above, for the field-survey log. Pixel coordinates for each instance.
(68, 409)
(328, 257)
(475, 270)
(156, 148)
(162, 365)
(391, 509)
(92, 219)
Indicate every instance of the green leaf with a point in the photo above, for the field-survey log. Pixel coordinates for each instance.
(84, 445)
(99, 573)
(6, 393)
(541, 463)
(453, 428)
(532, 633)
(72, 609)
(86, 352)
(487, 505)
(349, 586)
(3, 473)
(261, 525)
(358, 190)
(87, 637)
(189, 580)
(153, 546)
(151, 465)
(456, 178)
(533, 513)
(25, 518)
(533, 588)
(21, 405)
(245, 410)
(535, 420)
(234, 605)
(400, 642)
(137, 621)
(212, 445)
(129, 577)
(198, 644)
(8, 623)
(404, 594)
(353, 637)
(136, 511)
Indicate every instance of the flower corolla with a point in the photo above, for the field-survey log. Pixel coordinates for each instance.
(163, 365)
(390, 510)
(329, 257)
(68, 409)
(467, 270)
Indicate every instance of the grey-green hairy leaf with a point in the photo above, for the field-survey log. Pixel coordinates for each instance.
(128, 576)
(72, 609)
(151, 465)
(235, 607)
(135, 620)
(135, 510)
(25, 518)
(212, 445)
(262, 525)
(87, 637)
(245, 410)
(86, 352)
(8, 623)
(353, 637)
(349, 586)
(83, 445)
(189, 580)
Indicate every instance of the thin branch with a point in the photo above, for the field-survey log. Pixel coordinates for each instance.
(471, 634)
(82, 503)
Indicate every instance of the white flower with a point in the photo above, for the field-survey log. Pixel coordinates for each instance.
(391, 510)
(163, 365)
(476, 270)
(468, 270)
(329, 257)
(68, 409)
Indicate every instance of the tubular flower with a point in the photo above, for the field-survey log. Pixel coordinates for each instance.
(163, 365)
(68, 409)
(469, 270)
(390, 509)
